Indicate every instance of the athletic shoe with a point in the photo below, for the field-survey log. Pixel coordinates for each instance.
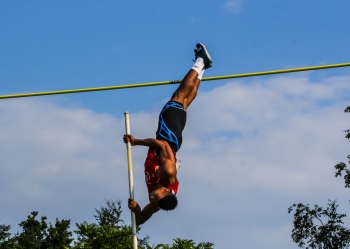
(202, 52)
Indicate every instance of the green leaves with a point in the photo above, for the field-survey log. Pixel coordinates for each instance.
(58, 236)
(36, 234)
(322, 228)
(5, 237)
(340, 167)
(91, 236)
(108, 233)
(109, 215)
(318, 227)
(183, 244)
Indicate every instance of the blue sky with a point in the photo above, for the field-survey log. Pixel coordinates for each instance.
(258, 145)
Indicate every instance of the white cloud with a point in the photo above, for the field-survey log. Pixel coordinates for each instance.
(234, 6)
(53, 155)
(279, 121)
(250, 150)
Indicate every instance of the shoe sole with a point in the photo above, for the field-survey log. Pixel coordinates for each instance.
(207, 53)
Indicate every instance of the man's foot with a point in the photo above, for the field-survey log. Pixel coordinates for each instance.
(202, 52)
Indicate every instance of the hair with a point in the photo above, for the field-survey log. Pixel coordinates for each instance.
(168, 202)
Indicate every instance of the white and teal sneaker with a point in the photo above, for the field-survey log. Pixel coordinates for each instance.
(202, 52)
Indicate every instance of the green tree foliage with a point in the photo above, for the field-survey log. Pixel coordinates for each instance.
(108, 232)
(110, 215)
(58, 236)
(37, 234)
(183, 244)
(4, 232)
(34, 232)
(318, 227)
(341, 167)
(91, 236)
(5, 237)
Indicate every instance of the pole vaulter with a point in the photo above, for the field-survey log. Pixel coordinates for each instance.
(160, 167)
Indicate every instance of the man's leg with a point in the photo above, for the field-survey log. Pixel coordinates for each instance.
(172, 118)
(187, 91)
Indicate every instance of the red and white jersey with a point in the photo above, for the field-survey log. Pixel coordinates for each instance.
(151, 178)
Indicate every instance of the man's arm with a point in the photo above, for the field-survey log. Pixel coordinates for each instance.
(167, 167)
(149, 142)
(145, 214)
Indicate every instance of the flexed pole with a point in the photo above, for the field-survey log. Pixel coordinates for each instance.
(131, 179)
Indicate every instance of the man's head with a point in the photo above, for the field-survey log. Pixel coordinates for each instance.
(168, 202)
(163, 198)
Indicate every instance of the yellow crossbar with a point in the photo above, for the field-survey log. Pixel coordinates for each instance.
(231, 76)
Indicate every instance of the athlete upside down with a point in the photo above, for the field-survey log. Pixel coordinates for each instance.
(160, 164)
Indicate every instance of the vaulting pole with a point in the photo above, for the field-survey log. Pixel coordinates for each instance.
(131, 179)
(160, 83)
